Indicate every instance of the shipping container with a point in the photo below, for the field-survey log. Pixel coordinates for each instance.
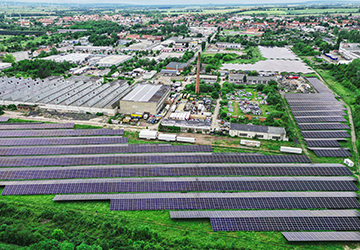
(167, 137)
(186, 139)
(290, 150)
(148, 134)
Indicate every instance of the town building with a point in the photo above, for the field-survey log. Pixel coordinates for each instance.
(259, 132)
(239, 79)
(145, 98)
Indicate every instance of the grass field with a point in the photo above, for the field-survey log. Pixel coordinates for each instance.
(322, 11)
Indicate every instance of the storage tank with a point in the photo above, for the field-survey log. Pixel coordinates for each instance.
(167, 137)
(148, 134)
(290, 150)
(186, 139)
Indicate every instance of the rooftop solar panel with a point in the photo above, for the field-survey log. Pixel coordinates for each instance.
(322, 143)
(322, 126)
(175, 170)
(321, 236)
(60, 132)
(10, 126)
(74, 160)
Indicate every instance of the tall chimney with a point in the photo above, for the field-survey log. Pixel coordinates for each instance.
(197, 86)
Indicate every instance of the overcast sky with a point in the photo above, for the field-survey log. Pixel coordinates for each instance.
(176, 2)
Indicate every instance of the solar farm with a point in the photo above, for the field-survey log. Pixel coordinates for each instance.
(321, 120)
(233, 191)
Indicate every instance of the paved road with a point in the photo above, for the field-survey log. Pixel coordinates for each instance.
(214, 122)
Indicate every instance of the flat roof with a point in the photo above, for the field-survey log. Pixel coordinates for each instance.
(114, 59)
(146, 93)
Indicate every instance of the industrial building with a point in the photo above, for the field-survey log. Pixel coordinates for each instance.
(260, 132)
(176, 66)
(350, 51)
(77, 58)
(113, 60)
(188, 126)
(239, 79)
(75, 94)
(145, 98)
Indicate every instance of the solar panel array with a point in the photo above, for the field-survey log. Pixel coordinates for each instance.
(321, 111)
(179, 184)
(60, 132)
(175, 170)
(4, 119)
(321, 236)
(332, 153)
(63, 141)
(325, 134)
(36, 126)
(74, 160)
(323, 126)
(102, 149)
(322, 143)
(281, 224)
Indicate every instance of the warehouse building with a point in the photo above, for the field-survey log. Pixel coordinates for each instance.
(256, 131)
(145, 98)
(76, 94)
(176, 66)
(113, 60)
(188, 126)
(239, 79)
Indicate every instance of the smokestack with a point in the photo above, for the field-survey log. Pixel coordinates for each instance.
(197, 86)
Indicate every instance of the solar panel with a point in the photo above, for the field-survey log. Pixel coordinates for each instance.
(73, 160)
(332, 153)
(103, 149)
(317, 107)
(281, 224)
(322, 143)
(318, 85)
(4, 119)
(325, 134)
(319, 113)
(234, 203)
(62, 141)
(322, 126)
(60, 132)
(262, 214)
(321, 236)
(90, 197)
(179, 184)
(307, 119)
(175, 170)
(10, 126)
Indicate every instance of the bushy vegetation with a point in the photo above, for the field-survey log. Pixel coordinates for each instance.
(38, 68)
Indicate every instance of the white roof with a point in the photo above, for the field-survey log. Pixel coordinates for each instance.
(142, 93)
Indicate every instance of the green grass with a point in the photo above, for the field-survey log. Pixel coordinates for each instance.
(322, 11)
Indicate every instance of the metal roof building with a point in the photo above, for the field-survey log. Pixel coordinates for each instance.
(261, 132)
(145, 98)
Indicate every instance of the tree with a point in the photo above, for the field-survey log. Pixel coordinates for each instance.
(215, 94)
(9, 58)
(244, 79)
(203, 45)
(58, 234)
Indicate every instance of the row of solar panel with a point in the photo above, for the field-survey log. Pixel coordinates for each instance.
(322, 143)
(319, 113)
(153, 171)
(332, 153)
(62, 141)
(322, 126)
(317, 107)
(9, 126)
(71, 160)
(168, 186)
(132, 148)
(235, 203)
(325, 134)
(301, 119)
(61, 132)
(4, 119)
(321, 236)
